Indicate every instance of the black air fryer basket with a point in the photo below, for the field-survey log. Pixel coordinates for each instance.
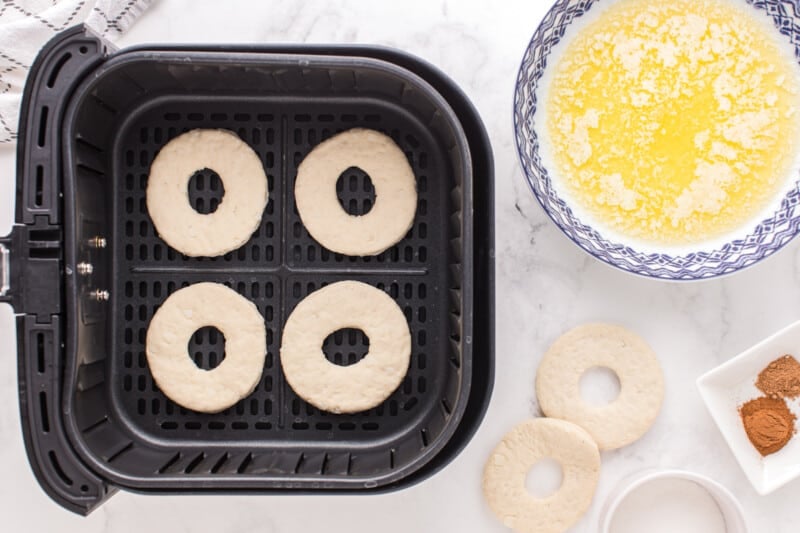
(85, 269)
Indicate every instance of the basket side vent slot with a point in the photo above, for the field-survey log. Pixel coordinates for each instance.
(43, 125)
(51, 81)
(40, 364)
(38, 191)
(45, 418)
(58, 470)
(195, 463)
(175, 458)
(222, 460)
(245, 463)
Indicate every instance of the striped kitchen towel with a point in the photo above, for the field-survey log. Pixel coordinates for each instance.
(25, 25)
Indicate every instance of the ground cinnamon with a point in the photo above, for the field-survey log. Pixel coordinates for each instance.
(768, 422)
(781, 378)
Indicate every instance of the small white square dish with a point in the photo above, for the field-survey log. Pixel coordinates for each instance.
(725, 388)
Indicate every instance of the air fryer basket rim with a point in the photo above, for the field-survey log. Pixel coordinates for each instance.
(32, 233)
(123, 59)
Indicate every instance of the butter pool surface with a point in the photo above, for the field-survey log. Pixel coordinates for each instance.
(674, 123)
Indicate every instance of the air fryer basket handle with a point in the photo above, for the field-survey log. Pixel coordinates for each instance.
(5, 270)
(32, 271)
(9, 287)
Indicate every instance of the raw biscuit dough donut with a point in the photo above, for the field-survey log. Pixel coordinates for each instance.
(526, 444)
(395, 193)
(183, 313)
(239, 212)
(602, 345)
(365, 384)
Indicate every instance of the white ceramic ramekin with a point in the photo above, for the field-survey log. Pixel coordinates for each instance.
(728, 505)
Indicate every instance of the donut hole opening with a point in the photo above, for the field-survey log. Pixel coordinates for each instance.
(355, 192)
(599, 386)
(544, 478)
(205, 191)
(207, 347)
(346, 346)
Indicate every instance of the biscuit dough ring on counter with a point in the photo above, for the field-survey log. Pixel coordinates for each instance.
(505, 474)
(322, 214)
(360, 386)
(239, 212)
(172, 326)
(641, 381)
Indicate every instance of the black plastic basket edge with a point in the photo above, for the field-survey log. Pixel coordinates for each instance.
(483, 275)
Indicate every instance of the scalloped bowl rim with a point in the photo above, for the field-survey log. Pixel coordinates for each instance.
(769, 236)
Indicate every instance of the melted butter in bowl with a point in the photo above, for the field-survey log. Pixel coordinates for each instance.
(671, 124)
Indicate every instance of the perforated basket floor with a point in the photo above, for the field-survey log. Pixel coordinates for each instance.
(123, 425)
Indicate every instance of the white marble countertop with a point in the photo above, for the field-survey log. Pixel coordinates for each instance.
(544, 286)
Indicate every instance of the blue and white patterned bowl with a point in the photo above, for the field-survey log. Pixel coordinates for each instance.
(760, 242)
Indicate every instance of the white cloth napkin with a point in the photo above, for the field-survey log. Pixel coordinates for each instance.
(25, 25)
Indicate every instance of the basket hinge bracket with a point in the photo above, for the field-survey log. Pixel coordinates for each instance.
(31, 273)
